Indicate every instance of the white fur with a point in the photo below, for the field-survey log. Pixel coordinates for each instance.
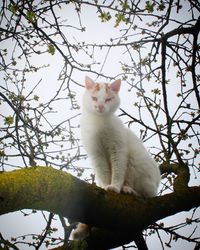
(119, 159)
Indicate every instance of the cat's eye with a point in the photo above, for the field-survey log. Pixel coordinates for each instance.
(108, 99)
(94, 98)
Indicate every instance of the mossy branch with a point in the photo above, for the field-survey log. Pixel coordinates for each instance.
(45, 188)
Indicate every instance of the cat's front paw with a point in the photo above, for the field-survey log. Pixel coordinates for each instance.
(129, 190)
(112, 188)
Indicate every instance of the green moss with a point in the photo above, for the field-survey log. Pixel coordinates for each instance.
(31, 187)
(77, 245)
(45, 188)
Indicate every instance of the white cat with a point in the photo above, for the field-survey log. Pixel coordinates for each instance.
(119, 159)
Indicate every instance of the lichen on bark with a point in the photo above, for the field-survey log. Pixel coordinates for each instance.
(45, 188)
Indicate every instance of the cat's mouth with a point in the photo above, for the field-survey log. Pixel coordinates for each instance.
(100, 112)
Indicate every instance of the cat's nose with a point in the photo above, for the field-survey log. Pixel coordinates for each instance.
(101, 108)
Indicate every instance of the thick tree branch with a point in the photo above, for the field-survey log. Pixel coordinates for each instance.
(45, 188)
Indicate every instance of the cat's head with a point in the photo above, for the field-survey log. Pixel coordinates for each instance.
(101, 98)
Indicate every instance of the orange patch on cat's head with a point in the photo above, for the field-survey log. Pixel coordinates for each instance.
(107, 88)
(96, 88)
(99, 86)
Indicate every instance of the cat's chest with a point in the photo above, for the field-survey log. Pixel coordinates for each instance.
(101, 130)
(102, 139)
(105, 133)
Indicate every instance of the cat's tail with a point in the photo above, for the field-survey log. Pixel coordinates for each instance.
(80, 233)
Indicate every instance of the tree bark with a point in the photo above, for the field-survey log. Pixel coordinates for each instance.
(119, 216)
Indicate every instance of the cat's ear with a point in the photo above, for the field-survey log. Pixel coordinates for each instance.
(89, 83)
(115, 86)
